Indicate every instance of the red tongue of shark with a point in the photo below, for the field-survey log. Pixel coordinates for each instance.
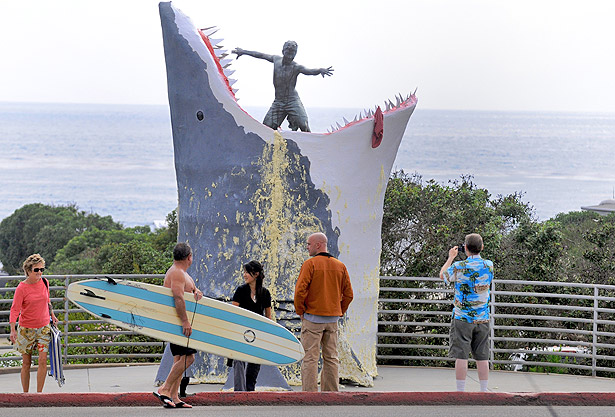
(378, 128)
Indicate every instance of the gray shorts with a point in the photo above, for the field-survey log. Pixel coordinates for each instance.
(466, 337)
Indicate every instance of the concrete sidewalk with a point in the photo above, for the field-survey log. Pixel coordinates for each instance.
(133, 385)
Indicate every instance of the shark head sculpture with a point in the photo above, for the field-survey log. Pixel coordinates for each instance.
(247, 191)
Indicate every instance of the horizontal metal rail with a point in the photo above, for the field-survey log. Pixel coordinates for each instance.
(412, 323)
(128, 344)
(414, 335)
(414, 358)
(545, 318)
(412, 300)
(417, 290)
(542, 306)
(417, 312)
(408, 346)
(541, 341)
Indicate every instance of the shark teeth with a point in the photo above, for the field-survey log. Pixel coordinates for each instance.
(221, 55)
(215, 42)
(400, 102)
(225, 63)
(209, 31)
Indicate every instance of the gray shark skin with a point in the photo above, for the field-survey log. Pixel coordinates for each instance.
(248, 192)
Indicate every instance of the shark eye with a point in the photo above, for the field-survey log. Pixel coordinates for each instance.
(199, 115)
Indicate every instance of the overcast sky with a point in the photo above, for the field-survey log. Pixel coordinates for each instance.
(475, 55)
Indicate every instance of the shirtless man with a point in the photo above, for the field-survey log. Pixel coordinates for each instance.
(285, 72)
(178, 280)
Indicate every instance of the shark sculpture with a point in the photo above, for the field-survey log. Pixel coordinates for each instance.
(249, 192)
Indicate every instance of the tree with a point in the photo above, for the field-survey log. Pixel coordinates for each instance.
(574, 247)
(601, 253)
(166, 237)
(532, 252)
(136, 257)
(83, 254)
(107, 251)
(422, 220)
(44, 229)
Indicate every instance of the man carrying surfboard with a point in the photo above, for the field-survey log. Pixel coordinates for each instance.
(178, 280)
(322, 295)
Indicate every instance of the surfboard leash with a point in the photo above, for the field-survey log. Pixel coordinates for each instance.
(188, 342)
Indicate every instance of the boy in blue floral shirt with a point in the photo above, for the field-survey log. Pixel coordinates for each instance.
(470, 325)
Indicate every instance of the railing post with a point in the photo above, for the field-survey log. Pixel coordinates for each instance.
(66, 305)
(492, 324)
(595, 332)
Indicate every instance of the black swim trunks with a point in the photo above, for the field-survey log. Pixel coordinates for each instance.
(177, 350)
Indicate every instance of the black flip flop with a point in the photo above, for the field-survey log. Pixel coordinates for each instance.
(166, 401)
(181, 404)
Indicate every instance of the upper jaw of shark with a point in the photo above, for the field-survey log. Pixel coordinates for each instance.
(223, 61)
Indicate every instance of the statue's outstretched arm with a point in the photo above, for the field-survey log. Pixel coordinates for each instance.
(239, 52)
(316, 71)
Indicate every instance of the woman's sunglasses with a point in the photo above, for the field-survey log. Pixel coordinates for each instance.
(39, 269)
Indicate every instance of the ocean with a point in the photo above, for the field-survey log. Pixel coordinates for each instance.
(118, 159)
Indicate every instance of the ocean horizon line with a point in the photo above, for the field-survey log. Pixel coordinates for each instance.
(353, 108)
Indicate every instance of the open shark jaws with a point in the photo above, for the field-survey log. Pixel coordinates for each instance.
(247, 192)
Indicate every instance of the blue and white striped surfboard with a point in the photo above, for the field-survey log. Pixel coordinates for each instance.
(219, 328)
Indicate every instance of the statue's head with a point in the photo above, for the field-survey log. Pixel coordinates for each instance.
(289, 50)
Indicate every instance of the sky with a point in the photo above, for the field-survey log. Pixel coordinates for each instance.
(523, 55)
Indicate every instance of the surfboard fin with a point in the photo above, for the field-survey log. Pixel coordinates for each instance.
(106, 316)
(111, 280)
(89, 293)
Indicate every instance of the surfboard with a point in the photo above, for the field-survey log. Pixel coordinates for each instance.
(217, 327)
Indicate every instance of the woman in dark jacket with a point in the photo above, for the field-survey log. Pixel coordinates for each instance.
(251, 296)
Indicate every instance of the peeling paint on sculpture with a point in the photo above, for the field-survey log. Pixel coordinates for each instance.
(249, 192)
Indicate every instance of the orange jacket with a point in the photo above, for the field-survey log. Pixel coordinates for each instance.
(323, 287)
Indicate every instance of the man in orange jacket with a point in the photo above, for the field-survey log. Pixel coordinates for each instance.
(322, 295)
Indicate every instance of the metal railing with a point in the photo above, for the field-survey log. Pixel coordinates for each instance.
(535, 325)
(546, 326)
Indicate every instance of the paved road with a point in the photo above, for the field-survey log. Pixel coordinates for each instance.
(331, 411)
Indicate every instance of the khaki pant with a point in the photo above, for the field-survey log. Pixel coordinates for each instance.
(313, 336)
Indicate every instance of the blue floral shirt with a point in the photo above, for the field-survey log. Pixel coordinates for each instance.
(472, 278)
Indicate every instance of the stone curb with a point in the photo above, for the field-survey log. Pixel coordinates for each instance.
(132, 399)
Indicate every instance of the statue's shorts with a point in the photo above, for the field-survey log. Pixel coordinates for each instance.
(293, 109)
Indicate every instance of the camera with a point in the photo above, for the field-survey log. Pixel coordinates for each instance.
(461, 248)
